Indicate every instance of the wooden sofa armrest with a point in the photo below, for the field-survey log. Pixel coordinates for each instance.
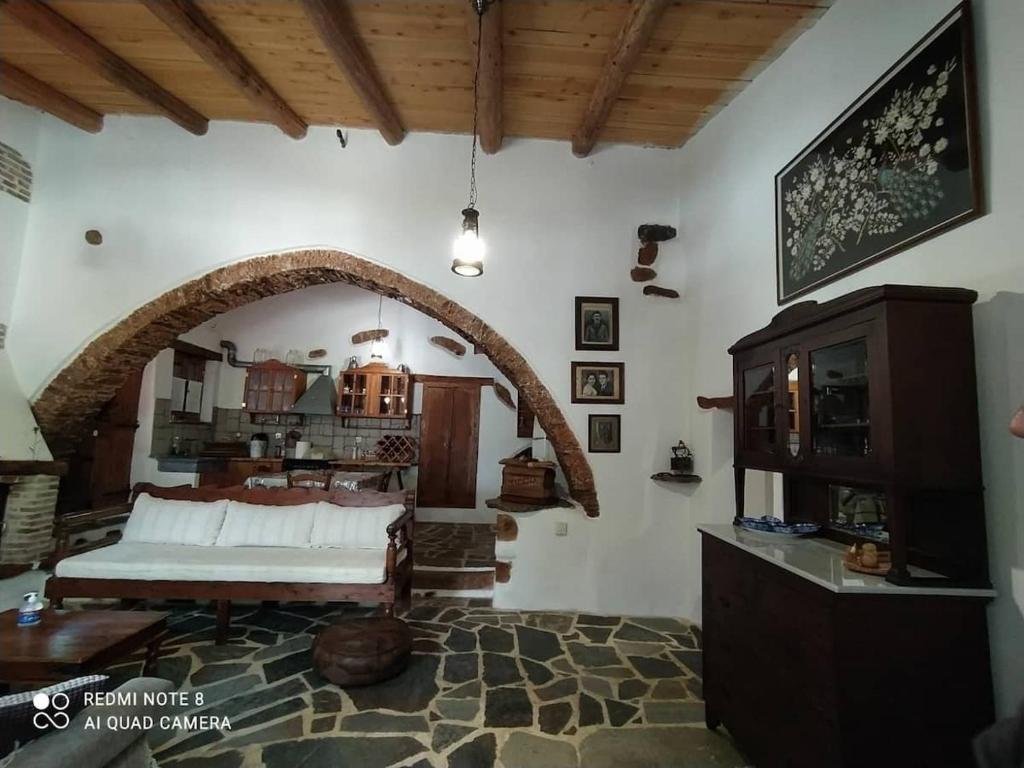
(67, 525)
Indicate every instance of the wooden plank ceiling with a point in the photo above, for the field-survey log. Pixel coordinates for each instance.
(647, 72)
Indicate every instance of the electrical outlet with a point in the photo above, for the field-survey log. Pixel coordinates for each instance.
(561, 529)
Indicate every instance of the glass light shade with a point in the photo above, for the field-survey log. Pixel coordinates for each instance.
(469, 248)
(377, 349)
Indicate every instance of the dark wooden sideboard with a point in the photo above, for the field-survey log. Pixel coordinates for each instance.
(806, 677)
(866, 406)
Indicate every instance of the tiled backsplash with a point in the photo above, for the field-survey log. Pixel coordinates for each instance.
(165, 430)
(329, 434)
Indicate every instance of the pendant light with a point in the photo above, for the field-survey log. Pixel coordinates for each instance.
(468, 258)
(377, 345)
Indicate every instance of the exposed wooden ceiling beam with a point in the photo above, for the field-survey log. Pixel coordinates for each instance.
(201, 35)
(333, 23)
(21, 86)
(491, 77)
(630, 42)
(46, 23)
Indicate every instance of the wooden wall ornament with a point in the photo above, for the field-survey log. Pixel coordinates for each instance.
(655, 233)
(316, 354)
(711, 403)
(502, 393)
(654, 290)
(642, 274)
(450, 345)
(647, 254)
(364, 336)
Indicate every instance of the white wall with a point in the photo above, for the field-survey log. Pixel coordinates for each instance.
(727, 214)
(19, 128)
(172, 206)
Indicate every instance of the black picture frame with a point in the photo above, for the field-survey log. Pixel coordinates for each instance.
(899, 166)
(595, 441)
(615, 375)
(608, 308)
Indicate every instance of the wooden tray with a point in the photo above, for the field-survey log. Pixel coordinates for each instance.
(884, 564)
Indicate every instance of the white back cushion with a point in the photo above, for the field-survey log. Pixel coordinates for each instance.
(352, 527)
(169, 521)
(261, 525)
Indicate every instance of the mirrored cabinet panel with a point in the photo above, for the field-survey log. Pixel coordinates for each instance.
(759, 408)
(793, 402)
(840, 418)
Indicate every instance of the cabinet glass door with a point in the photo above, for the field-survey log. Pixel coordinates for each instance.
(759, 408)
(840, 408)
(793, 403)
(353, 394)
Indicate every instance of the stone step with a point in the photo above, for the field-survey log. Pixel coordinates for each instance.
(460, 579)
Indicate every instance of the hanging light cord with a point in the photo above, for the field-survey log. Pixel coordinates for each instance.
(480, 6)
(380, 303)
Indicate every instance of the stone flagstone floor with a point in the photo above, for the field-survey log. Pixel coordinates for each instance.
(484, 688)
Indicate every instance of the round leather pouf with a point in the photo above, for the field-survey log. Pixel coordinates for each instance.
(363, 651)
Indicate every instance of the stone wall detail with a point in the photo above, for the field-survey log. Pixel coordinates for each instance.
(15, 173)
(28, 519)
(69, 402)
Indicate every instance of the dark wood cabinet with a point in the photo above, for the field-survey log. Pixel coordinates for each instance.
(805, 677)
(867, 405)
(272, 387)
(374, 391)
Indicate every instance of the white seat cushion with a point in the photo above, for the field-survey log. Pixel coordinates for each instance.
(263, 525)
(155, 562)
(352, 527)
(168, 521)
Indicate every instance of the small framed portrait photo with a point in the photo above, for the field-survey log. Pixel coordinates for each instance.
(605, 433)
(599, 383)
(597, 323)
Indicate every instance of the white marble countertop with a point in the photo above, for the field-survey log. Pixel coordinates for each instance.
(821, 561)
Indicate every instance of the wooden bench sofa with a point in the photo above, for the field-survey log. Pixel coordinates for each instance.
(134, 567)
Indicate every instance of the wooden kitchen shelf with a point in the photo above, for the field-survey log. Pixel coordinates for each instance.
(374, 391)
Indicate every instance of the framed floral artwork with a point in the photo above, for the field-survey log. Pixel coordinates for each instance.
(899, 166)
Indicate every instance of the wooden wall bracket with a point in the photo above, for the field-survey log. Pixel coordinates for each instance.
(721, 403)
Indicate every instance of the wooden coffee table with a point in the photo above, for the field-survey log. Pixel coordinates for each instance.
(67, 644)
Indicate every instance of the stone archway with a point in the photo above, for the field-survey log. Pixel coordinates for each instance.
(77, 393)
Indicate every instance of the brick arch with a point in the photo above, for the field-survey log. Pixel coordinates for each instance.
(74, 397)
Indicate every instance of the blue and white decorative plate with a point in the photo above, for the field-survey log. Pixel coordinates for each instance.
(776, 527)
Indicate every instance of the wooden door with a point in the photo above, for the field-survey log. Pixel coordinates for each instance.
(449, 442)
(99, 473)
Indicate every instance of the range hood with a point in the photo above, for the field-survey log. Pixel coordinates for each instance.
(320, 399)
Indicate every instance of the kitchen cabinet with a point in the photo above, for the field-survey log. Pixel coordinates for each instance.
(374, 391)
(867, 405)
(272, 387)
